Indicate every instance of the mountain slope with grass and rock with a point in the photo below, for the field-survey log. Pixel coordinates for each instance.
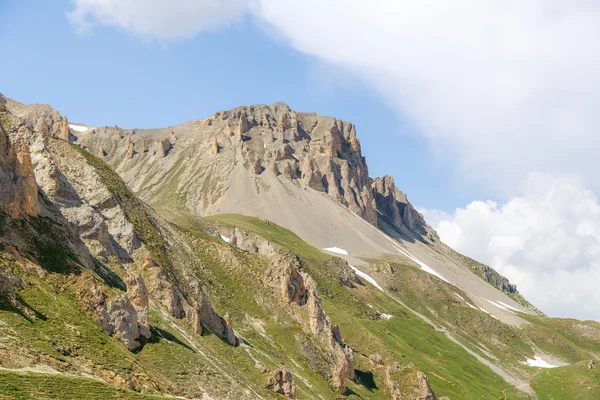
(248, 255)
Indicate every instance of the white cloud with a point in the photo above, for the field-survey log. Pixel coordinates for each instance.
(158, 19)
(547, 241)
(505, 87)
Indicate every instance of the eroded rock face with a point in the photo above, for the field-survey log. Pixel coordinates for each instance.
(130, 147)
(393, 204)
(119, 318)
(162, 289)
(8, 283)
(19, 194)
(164, 147)
(123, 316)
(281, 381)
(115, 315)
(189, 302)
(62, 130)
(83, 199)
(138, 296)
(296, 288)
(407, 382)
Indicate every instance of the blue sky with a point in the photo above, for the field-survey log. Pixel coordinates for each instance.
(109, 76)
(485, 112)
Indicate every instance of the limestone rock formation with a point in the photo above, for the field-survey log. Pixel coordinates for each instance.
(162, 289)
(101, 153)
(130, 147)
(298, 289)
(138, 296)
(407, 382)
(394, 205)
(114, 314)
(280, 381)
(189, 302)
(214, 147)
(19, 194)
(63, 129)
(164, 147)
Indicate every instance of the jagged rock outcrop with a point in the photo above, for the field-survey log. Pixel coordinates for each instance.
(258, 168)
(130, 147)
(63, 129)
(297, 289)
(214, 147)
(393, 204)
(115, 315)
(202, 316)
(138, 296)
(280, 381)
(189, 302)
(19, 194)
(161, 288)
(8, 283)
(101, 153)
(407, 382)
(164, 147)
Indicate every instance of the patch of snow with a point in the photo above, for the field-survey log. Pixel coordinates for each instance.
(294, 155)
(511, 307)
(538, 362)
(485, 311)
(336, 250)
(225, 238)
(459, 296)
(370, 306)
(79, 128)
(421, 264)
(386, 316)
(472, 306)
(379, 212)
(366, 277)
(493, 316)
(500, 306)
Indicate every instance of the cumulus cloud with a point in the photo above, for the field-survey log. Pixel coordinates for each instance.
(546, 240)
(158, 19)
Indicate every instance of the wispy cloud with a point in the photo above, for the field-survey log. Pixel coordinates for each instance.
(158, 19)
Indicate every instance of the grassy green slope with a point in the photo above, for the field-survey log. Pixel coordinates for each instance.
(575, 382)
(404, 337)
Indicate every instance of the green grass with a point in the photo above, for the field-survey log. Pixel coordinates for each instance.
(273, 233)
(404, 337)
(34, 386)
(576, 382)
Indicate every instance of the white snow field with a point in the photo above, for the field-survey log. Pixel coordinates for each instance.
(366, 277)
(79, 128)
(336, 250)
(538, 362)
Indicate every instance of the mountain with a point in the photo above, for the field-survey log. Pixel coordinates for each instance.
(248, 255)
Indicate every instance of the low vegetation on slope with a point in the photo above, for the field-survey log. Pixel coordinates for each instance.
(46, 330)
(382, 331)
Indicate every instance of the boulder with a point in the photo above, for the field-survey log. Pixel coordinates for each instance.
(280, 381)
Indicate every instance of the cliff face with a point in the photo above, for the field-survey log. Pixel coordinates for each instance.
(19, 194)
(196, 160)
(393, 204)
(323, 153)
